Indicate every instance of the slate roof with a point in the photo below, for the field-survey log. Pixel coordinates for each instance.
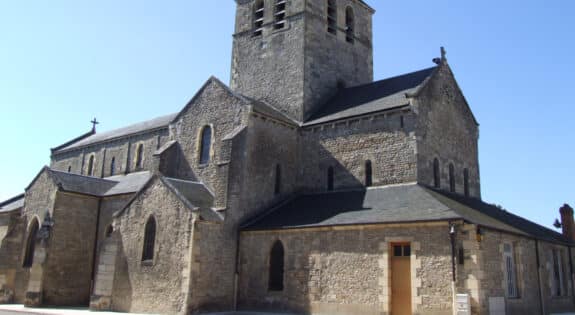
(372, 97)
(12, 204)
(100, 187)
(393, 204)
(153, 124)
(195, 195)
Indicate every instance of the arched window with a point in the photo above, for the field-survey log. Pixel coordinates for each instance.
(368, 174)
(139, 156)
(451, 178)
(205, 145)
(349, 25)
(113, 166)
(149, 239)
(258, 18)
(330, 178)
(91, 166)
(276, 272)
(436, 175)
(280, 14)
(31, 244)
(278, 182)
(466, 182)
(332, 17)
(109, 230)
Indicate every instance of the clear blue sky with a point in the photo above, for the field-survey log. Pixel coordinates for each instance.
(64, 62)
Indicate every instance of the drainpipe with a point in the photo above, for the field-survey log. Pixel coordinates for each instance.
(95, 251)
(541, 302)
(452, 238)
(191, 264)
(237, 271)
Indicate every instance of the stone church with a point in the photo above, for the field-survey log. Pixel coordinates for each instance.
(303, 186)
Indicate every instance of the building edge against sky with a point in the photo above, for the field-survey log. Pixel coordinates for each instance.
(304, 187)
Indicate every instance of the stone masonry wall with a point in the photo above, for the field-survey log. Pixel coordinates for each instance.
(346, 145)
(329, 59)
(157, 286)
(216, 107)
(447, 131)
(270, 67)
(345, 270)
(12, 276)
(68, 268)
(122, 150)
(270, 143)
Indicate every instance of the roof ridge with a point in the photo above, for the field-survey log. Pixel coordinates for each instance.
(390, 78)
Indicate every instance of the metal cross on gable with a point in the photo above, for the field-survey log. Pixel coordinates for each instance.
(94, 123)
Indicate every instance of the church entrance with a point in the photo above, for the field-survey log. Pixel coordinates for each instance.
(401, 279)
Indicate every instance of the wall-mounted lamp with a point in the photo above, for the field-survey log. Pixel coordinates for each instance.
(479, 234)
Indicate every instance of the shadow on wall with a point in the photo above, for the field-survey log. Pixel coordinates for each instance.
(11, 247)
(122, 289)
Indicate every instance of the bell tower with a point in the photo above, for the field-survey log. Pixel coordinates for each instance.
(295, 54)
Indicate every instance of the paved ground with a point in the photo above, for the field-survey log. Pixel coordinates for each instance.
(21, 310)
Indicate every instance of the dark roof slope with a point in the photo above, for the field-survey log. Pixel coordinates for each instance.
(377, 96)
(100, 187)
(195, 194)
(402, 203)
(150, 125)
(12, 204)
(526, 226)
(393, 204)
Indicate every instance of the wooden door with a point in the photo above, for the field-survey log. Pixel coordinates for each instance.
(401, 279)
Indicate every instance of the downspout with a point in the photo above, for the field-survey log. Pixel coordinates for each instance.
(237, 271)
(452, 238)
(571, 272)
(541, 302)
(190, 265)
(95, 250)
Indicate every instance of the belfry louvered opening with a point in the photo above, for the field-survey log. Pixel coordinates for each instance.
(280, 14)
(332, 17)
(258, 17)
(349, 25)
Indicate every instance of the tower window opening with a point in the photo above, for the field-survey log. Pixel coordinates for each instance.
(332, 17)
(349, 25)
(258, 17)
(280, 14)
(278, 180)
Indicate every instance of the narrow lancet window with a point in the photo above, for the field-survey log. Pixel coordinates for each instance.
(31, 244)
(368, 174)
(330, 179)
(69, 169)
(278, 180)
(451, 178)
(280, 14)
(349, 25)
(139, 157)
(91, 166)
(113, 166)
(149, 240)
(436, 176)
(258, 18)
(205, 145)
(332, 17)
(466, 182)
(276, 272)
